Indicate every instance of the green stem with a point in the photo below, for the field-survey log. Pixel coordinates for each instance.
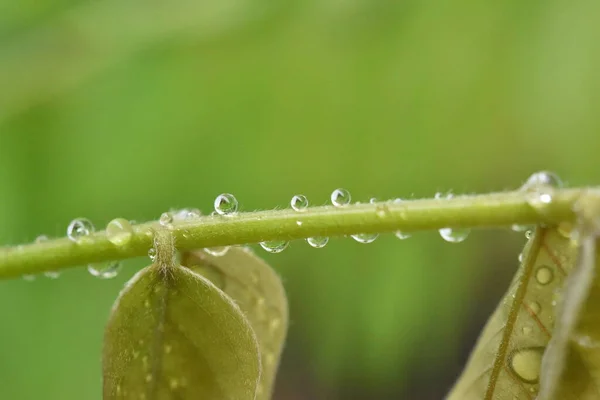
(477, 211)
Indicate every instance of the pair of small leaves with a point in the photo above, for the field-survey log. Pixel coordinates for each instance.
(543, 340)
(211, 329)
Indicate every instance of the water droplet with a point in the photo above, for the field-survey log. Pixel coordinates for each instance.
(400, 235)
(586, 342)
(41, 239)
(168, 348)
(382, 210)
(152, 254)
(535, 307)
(79, 229)
(526, 363)
(52, 274)
(518, 228)
(454, 235)
(539, 189)
(105, 270)
(299, 202)
(148, 378)
(340, 197)
(528, 234)
(299, 223)
(226, 204)
(543, 178)
(275, 246)
(372, 200)
(217, 251)
(527, 330)
(317, 242)
(173, 383)
(544, 275)
(119, 231)
(28, 278)
(365, 237)
(186, 213)
(166, 219)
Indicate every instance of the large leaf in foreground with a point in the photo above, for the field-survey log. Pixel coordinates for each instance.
(173, 335)
(258, 291)
(506, 361)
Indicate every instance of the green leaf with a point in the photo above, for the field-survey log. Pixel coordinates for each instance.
(258, 291)
(172, 334)
(506, 361)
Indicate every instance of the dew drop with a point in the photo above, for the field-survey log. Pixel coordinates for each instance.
(226, 204)
(527, 330)
(173, 383)
(365, 237)
(275, 246)
(518, 228)
(299, 223)
(106, 270)
(52, 274)
(41, 239)
(340, 197)
(528, 234)
(166, 219)
(544, 275)
(79, 229)
(217, 251)
(401, 235)
(29, 278)
(299, 202)
(186, 214)
(539, 189)
(317, 242)
(543, 178)
(152, 254)
(119, 232)
(454, 235)
(526, 363)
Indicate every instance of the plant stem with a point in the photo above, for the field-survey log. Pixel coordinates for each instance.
(476, 211)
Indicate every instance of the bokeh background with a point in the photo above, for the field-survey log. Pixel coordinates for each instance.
(129, 108)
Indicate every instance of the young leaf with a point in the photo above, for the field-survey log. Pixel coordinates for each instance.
(258, 291)
(571, 365)
(506, 361)
(172, 334)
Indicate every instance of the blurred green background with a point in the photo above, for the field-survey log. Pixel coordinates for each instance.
(128, 108)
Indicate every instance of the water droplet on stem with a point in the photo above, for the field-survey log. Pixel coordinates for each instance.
(340, 197)
(119, 232)
(226, 204)
(275, 246)
(299, 202)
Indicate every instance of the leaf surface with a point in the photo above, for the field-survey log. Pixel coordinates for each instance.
(258, 291)
(173, 335)
(507, 359)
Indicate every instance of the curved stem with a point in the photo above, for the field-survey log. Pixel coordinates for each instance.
(477, 211)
